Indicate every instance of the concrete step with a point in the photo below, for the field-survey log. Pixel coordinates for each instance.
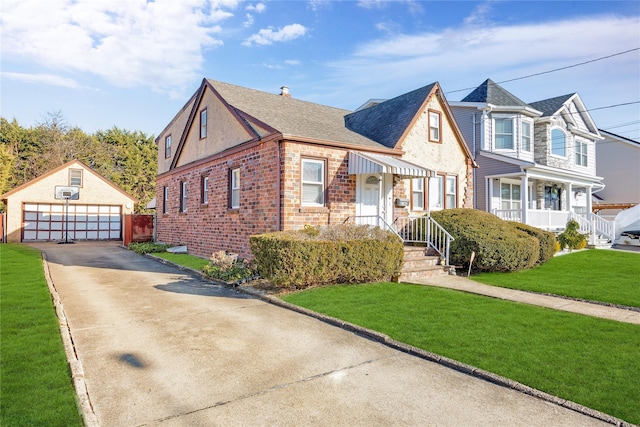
(420, 262)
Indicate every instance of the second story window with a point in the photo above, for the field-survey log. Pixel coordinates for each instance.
(203, 123)
(183, 196)
(558, 143)
(434, 126)
(75, 177)
(526, 136)
(581, 153)
(312, 182)
(504, 134)
(167, 146)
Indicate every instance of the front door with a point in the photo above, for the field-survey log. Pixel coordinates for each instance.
(371, 198)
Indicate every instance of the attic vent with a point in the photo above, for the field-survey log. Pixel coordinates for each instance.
(285, 92)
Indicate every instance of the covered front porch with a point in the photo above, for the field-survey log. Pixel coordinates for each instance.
(548, 201)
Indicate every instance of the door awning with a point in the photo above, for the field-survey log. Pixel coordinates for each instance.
(361, 164)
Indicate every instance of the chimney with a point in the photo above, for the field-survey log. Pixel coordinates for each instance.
(285, 92)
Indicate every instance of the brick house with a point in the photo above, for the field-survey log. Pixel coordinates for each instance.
(236, 162)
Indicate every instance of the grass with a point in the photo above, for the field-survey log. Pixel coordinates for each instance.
(597, 275)
(35, 379)
(185, 260)
(590, 361)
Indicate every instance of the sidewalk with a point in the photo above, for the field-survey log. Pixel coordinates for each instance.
(557, 303)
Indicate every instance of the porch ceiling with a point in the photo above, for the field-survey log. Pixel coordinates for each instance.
(361, 163)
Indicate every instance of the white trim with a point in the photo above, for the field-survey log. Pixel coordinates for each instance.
(362, 164)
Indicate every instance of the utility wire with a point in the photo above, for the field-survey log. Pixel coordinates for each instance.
(556, 69)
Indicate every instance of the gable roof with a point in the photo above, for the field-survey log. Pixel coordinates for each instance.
(492, 93)
(550, 106)
(293, 118)
(69, 164)
(387, 121)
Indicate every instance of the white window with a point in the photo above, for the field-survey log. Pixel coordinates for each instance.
(183, 196)
(504, 134)
(203, 123)
(167, 146)
(581, 153)
(417, 194)
(436, 193)
(204, 188)
(510, 196)
(312, 182)
(234, 188)
(558, 143)
(434, 126)
(165, 200)
(75, 177)
(450, 193)
(526, 136)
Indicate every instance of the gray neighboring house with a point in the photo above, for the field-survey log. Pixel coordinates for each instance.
(619, 165)
(537, 161)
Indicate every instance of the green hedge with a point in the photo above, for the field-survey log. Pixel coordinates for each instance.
(327, 255)
(498, 245)
(546, 239)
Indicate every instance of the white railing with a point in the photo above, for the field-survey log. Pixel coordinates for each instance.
(553, 220)
(423, 229)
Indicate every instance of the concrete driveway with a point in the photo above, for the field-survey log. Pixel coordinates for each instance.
(160, 347)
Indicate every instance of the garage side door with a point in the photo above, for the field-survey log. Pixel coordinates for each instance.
(48, 221)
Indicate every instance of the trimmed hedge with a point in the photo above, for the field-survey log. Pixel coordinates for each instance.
(546, 239)
(499, 246)
(327, 255)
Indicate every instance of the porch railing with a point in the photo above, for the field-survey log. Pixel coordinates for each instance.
(553, 220)
(423, 229)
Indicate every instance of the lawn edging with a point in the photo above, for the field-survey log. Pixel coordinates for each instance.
(412, 350)
(77, 371)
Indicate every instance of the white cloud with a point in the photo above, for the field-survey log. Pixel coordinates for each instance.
(48, 79)
(268, 36)
(258, 8)
(158, 44)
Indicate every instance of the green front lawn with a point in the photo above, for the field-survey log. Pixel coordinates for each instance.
(35, 380)
(184, 260)
(597, 275)
(587, 360)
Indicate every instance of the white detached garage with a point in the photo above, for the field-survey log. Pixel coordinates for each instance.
(70, 202)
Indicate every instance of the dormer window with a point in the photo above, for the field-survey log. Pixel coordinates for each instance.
(504, 134)
(558, 143)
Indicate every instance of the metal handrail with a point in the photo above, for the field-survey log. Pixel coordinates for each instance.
(423, 229)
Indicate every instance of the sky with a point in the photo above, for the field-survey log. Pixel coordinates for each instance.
(133, 64)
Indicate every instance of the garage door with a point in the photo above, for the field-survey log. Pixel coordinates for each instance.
(49, 221)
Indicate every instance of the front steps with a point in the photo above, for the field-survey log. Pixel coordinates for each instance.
(420, 262)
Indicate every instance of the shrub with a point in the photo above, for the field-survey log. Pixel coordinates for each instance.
(571, 237)
(327, 255)
(228, 268)
(148, 247)
(498, 245)
(546, 240)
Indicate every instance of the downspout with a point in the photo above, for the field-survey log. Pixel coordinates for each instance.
(279, 189)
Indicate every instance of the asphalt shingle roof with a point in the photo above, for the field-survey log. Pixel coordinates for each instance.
(550, 106)
(292, 117)
(386, 122)
(492, 93)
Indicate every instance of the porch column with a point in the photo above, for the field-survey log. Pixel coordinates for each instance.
(569, 195)
(524, 199)
(589, 201)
